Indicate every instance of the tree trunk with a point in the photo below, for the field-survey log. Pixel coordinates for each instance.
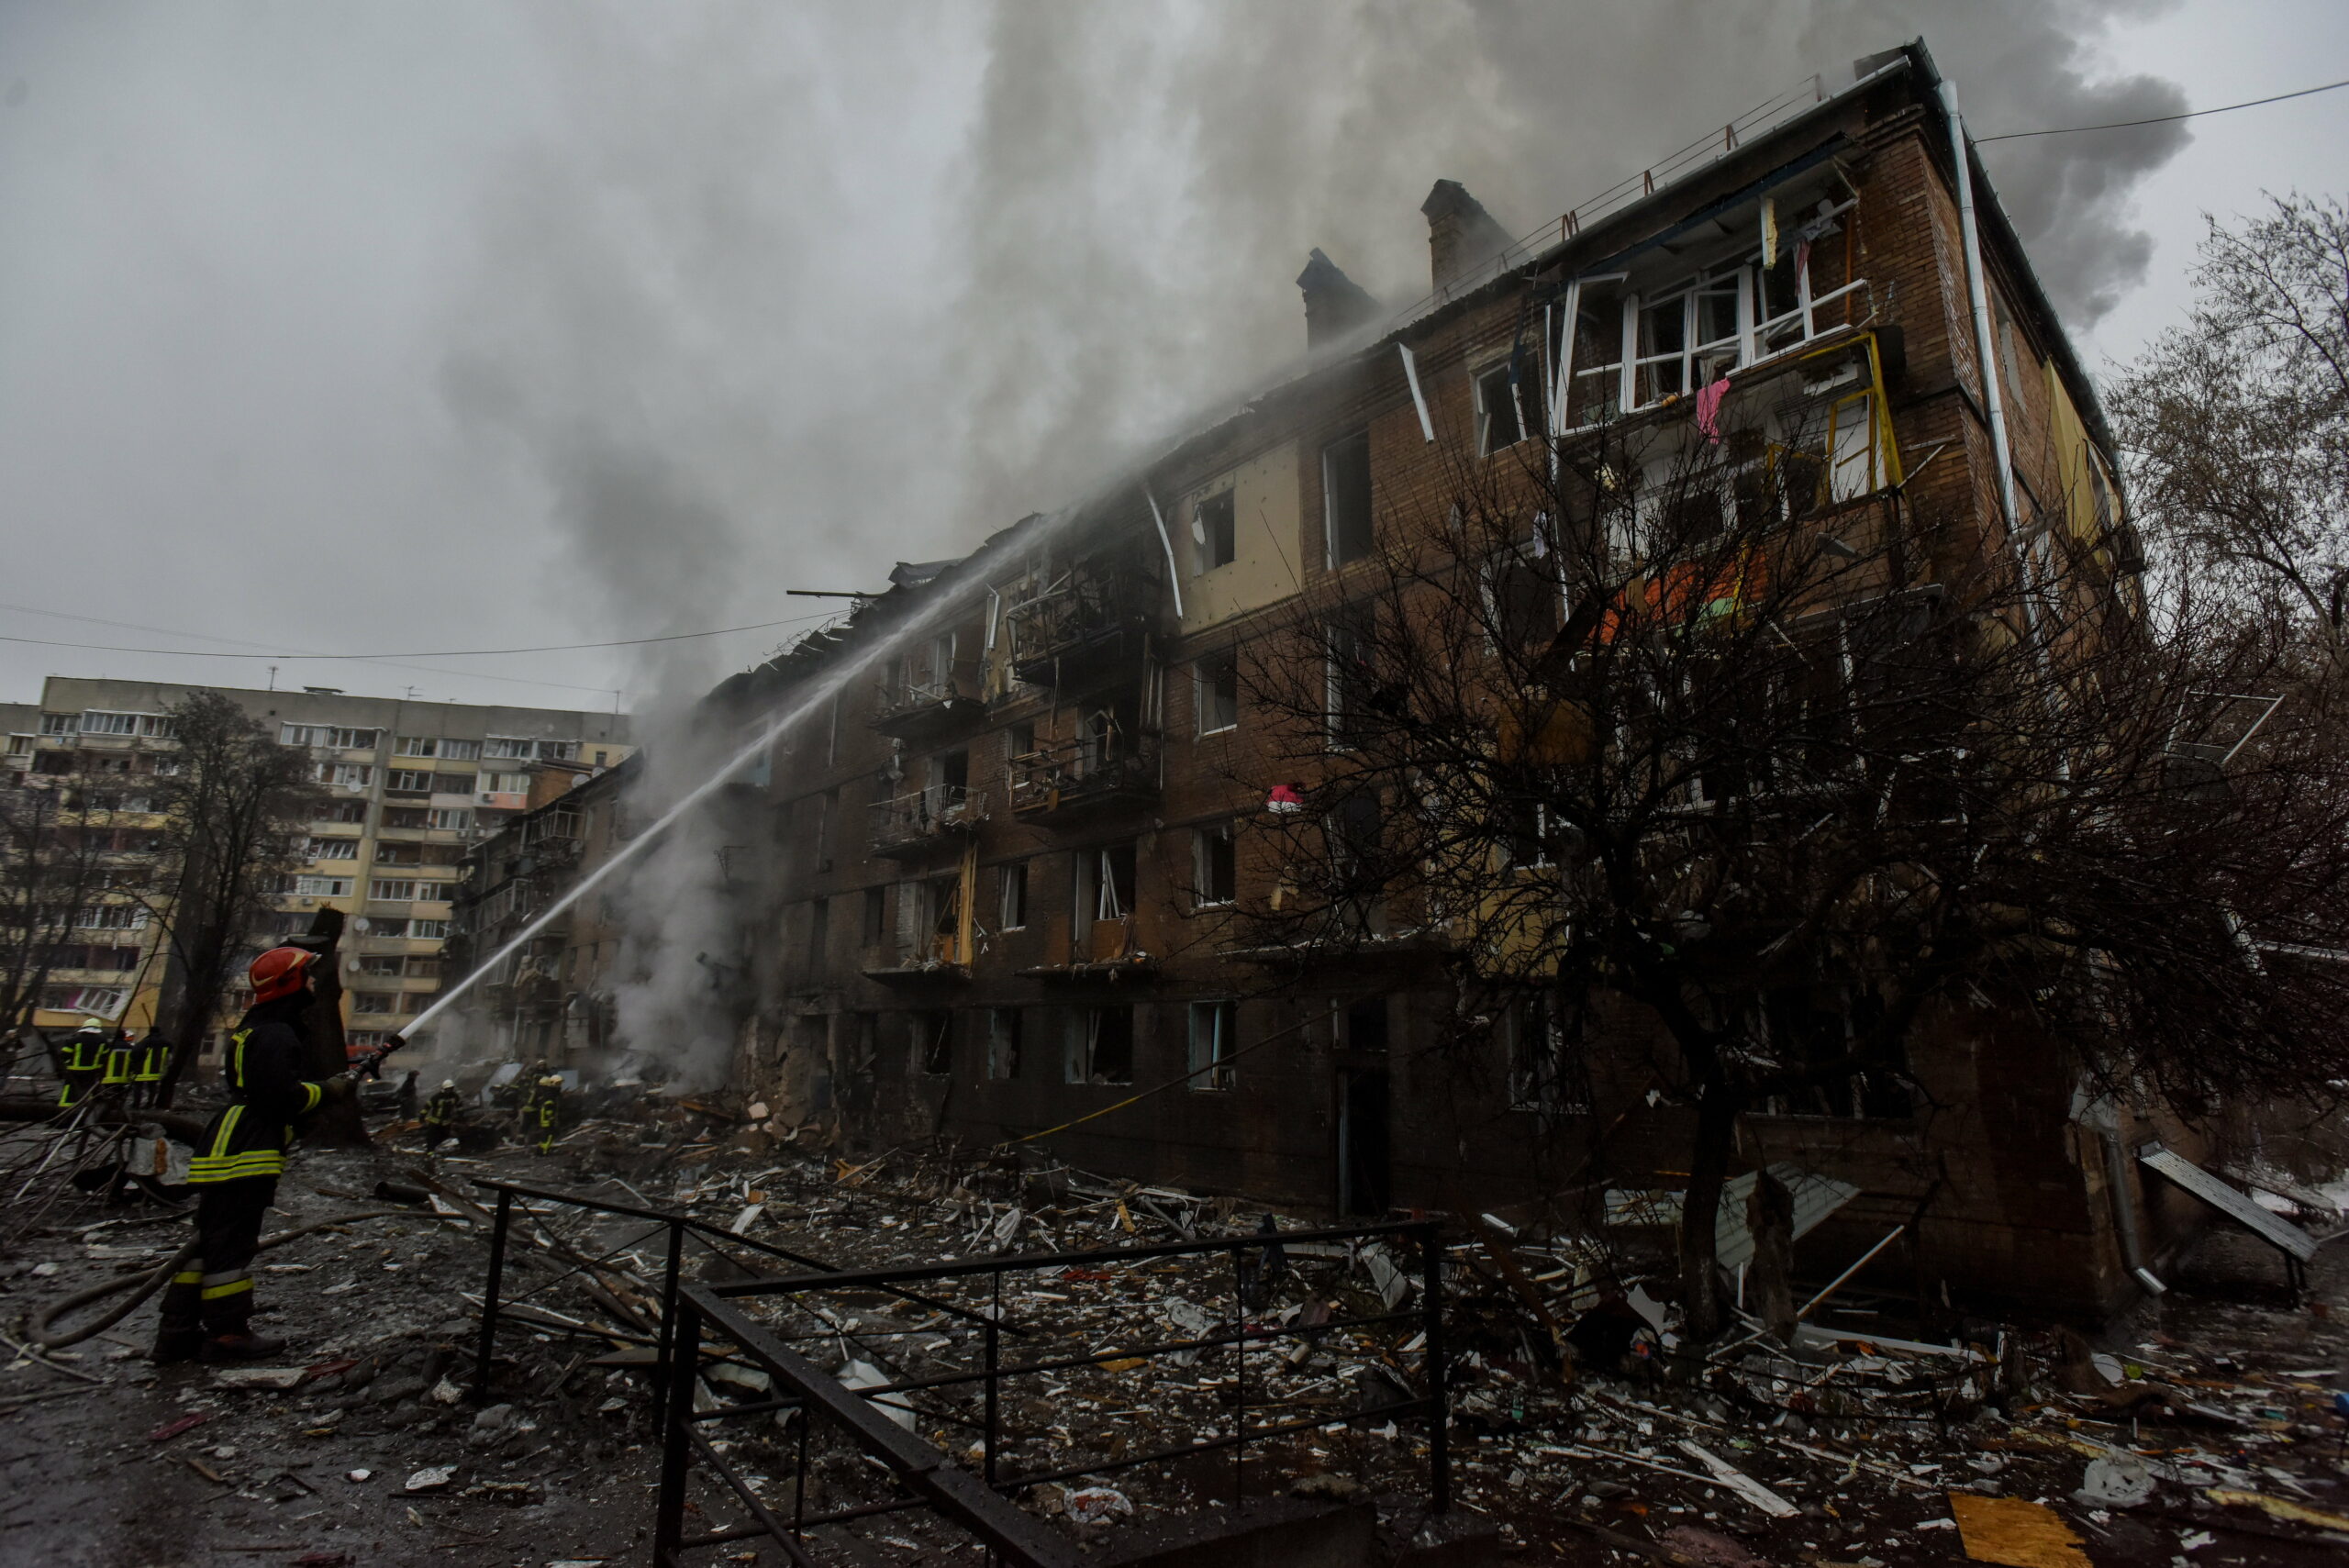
(1769, 1283)
(337, 1124)
(1708, 1169)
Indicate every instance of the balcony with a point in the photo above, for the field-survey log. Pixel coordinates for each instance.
(913, 824)
(1109, 949)
(1067, 780)
(938, 961)
(1082, 629)
(924, 703)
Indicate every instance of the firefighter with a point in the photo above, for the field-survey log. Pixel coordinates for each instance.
(114, 1079)
(407, 1099)
(147, 1077)
(440, 1114)
(549, 1100)
(207, 1308)
(82, 1062)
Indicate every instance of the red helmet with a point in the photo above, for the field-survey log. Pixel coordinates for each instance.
(280, 973)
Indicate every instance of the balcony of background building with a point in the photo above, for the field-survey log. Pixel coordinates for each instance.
(1082, 628)
(915, 823)
(925, 697)
(1061, 781)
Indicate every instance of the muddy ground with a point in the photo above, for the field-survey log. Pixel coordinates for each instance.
(1865, 1452)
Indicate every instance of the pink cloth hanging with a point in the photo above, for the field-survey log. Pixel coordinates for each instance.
(1709, 409)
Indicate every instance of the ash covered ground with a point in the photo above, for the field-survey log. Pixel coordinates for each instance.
(2200, 1429)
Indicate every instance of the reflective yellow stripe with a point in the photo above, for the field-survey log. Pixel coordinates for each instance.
(215, 1292)
(243, 1165)
(311, 1095)
(237, 1058)
(228, 1131)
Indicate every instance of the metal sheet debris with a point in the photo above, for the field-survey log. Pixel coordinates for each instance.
(2236, 1206)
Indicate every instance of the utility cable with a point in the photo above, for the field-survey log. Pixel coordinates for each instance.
(264, 650)
(2160, 119)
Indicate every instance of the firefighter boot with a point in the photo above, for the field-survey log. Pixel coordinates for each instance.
(179, 1332)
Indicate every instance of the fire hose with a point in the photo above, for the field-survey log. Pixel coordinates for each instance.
(145, 1283)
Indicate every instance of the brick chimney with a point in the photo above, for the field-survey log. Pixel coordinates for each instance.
(1461, 236)
(1335, 305)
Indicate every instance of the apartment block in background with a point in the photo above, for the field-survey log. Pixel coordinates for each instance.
(409, 786)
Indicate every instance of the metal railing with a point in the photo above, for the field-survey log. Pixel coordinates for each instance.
(928, 813)
(979, 1503)
(1072, 773)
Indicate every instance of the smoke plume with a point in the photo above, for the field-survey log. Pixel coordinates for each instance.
(778, 295)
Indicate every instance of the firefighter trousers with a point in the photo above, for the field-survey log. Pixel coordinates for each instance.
(213, 1295)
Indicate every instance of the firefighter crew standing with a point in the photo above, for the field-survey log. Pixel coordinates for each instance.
(147, 1077)
(84, 1060)
(207, 1308)
(440, 1114)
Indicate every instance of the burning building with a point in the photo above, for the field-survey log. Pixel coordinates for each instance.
(1033, 870)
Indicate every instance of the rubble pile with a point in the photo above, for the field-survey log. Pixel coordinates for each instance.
(1584, 1427)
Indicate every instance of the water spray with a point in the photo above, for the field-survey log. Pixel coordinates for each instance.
(822, 692)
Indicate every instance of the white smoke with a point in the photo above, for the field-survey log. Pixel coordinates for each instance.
(783, 294)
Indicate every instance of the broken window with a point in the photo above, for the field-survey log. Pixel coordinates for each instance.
(1216, 685)
(1349, 636)
(1215, 877)
(1361, 1026)
(874, 931)
(1542, 1074)
(934, 1039)
(1508, 406)
(944, 896)
(1104, 882)
(1101, 1045)
(1523, 600)
(1345, 494)
(1004, 1029)
(1215, 1028)
(820, 925)
(1214, 531)
(1011, 896)
(335, 848)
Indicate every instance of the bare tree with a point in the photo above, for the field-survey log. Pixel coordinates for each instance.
(2235, 424)
(53, 855)
(1710, 781)
(236, 804)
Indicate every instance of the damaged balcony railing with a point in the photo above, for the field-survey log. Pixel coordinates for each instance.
(1067, 776)
(914, 822)
(1080, 628)
(928, 701)
(881, 1417)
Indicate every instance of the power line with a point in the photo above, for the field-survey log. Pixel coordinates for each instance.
(266, 648)
(2160, 119)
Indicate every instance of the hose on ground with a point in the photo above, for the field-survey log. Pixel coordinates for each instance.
(38, 1331)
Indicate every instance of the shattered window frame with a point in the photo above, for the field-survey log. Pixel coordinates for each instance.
(1006, 1026)
(1212, 1041)
(1215, 866)
(1215, 531)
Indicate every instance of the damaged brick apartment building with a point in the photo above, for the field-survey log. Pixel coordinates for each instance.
(1002, 883)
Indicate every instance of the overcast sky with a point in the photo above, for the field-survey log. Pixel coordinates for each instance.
(419, 327)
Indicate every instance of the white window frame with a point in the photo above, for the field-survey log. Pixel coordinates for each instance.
(1012, 877)
(1203, 692)
(1202, 836)
(1526, 429)
(1202, 543)
(308, 886)
(427, 930)
(387, 889)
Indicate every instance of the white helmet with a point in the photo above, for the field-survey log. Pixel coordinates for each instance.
(551, 1081)
(89, 1024)
(447, 1082)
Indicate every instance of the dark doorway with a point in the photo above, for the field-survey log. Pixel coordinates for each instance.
(1363, 1183)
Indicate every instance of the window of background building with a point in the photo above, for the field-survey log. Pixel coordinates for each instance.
(1215, 877)
(391, 890)
(1004, 1029)
(875, 929)
(1214, 1039)
(427, 930)
(459, 750)
(1216, 684)
(1350, 636)
(1214, 536)
(1345, 498)
(418, 746)
(819, 921)
(1011, 898)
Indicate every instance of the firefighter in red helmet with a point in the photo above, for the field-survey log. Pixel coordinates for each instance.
(207, 1308)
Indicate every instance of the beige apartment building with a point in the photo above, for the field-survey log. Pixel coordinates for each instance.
(410, 785)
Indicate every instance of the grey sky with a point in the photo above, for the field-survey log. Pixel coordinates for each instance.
(434, 325)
